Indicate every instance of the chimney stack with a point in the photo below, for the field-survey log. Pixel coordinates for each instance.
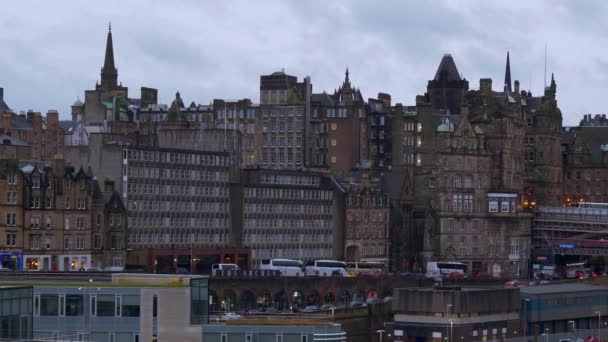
(52, 119)
(485, 86)
(516, 86)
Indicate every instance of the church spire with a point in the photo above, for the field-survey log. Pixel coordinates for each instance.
(346, 79)
(508, 75)
(109, 73)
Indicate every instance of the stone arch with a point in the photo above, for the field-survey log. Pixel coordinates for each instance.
(386, 293)
(279, 300)
(228, 302)
(265, 300)
(214, 304)
(344, 298)
(329, 298)
(247, 301)
(313, 298)
(352, 252)
(297, 299)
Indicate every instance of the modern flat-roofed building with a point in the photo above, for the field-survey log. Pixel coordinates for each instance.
(460, 314)
(15, 313)
(267, 329)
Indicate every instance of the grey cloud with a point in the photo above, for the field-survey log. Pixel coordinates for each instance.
(52, 52)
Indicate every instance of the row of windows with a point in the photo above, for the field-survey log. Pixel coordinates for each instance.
(73, 305)
(291, 209)
(365, 216)
(273, 253)
(372, 250)
(183, 238)
(366, 232)
(194, 222)
(282, 141)
(287, 194)
(506, 205)
(286, 238)
(176, 174)
(463, 225)
(35, 241)
(290, 180)
(177, 206)
(35, 222)
(175, 157)
(371, 201)
(310, 223)
(281, 156)
(179, 189)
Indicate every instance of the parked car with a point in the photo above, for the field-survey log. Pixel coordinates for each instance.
(512, 283)
(388, 299)
(230, 315)
(310, 309)
(482, 275)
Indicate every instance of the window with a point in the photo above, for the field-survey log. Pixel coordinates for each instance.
(49, 305)
(111, 337)
(334, 126)
(304, 338)
(35, 222)
(68, 203)
(333, 159)
(334, 142)
(66, 222)
(468, 182)
(35, 203)
(11, 219)
(12, 179)
(279, 338)
(82, 204)
(418, 159)
(248, 337)
(419, 127)
(35, 241)
(80, 223)
(62, 305)
(504, 206)
(493, 205)
(11, 239)
(36, 182)
(106, 305)
(49, 203)
(456, 182)
(93, 305)
(37, 305)
(11, 197)
(67, 243)
(224, 337)
(49, 222)
(97, 241)
(49, 243)
(130, 306)
(79, 243)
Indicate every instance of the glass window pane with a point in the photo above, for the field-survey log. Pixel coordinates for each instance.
(74, 305)
(49, 305)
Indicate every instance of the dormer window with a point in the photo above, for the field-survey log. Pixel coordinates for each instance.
(35, 182)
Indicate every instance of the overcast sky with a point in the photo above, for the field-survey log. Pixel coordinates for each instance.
(51, 51)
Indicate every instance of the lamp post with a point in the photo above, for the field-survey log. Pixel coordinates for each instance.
(447, 313)
(599, 325)
(451, 328)
(525, 318)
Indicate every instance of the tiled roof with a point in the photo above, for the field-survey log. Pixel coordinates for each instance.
(68, 126)
(8, 140)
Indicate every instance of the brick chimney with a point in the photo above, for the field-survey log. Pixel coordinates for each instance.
(52, 119)
(30, 115)
(385, 98)
(7, 118)
(36, 121)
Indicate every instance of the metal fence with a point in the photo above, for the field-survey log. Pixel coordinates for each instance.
(579, 335)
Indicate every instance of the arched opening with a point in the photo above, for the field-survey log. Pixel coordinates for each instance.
(329, 298)
(279, 301)
(313, 298)
(264, 301)
(247, 301)
(371, 294)
(214, 303)
(358, 297)
(297, 299)
(352, 253)
(344, 298)
(228, 301)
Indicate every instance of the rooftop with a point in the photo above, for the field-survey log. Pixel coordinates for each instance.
(561, 288)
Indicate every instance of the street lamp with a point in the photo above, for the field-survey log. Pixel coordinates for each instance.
(447, 313)
(599, 324)
(380, 332)
(451, 328)
(525, 317)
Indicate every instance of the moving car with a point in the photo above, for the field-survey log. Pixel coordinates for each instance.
(230, 315)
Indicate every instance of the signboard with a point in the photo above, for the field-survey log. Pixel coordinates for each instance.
(398, 332)
(567, 245)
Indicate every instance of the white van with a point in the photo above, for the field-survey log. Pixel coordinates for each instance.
(223, 267)
(326, 268)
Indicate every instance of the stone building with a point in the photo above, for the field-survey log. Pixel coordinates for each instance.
(58, 217)
(468, 174)
(288, 214)
(11, 215)
(366, 226)
(43, 134)
(585, 159)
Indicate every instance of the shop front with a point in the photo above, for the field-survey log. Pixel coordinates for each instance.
(75, 262)
(12, 260)
(38, 263)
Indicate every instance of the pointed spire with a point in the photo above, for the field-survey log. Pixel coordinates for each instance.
(508, 75)
(346, 79)
(109, 73)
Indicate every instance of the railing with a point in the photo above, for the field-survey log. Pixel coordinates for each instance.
(578, 335)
